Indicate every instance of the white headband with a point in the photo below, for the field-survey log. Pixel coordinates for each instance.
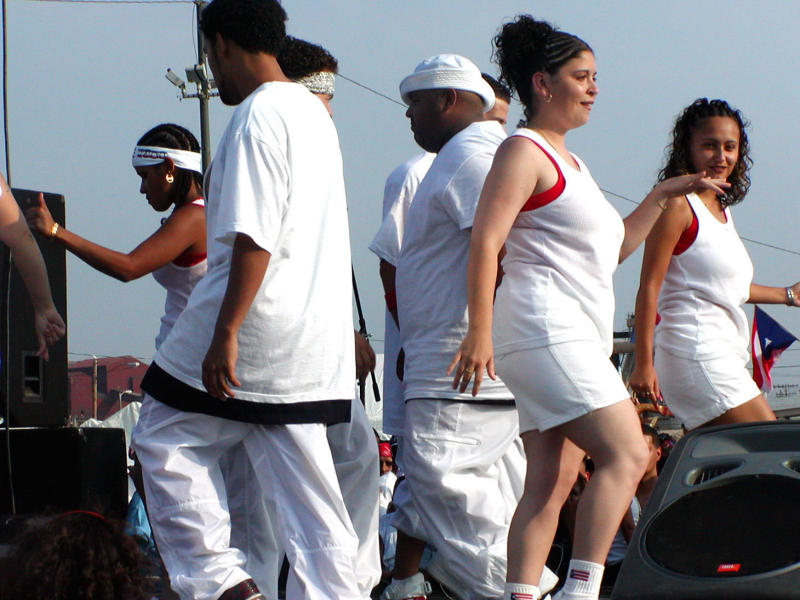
(145, 156)
(319, 83)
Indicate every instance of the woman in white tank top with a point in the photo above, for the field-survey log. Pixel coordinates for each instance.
(167, 158)
(554, 311)
(696, 274)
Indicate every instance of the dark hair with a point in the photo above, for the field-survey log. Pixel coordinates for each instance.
(299, 58)
(169, 135)
(76, 556)
(652, 433)
(254, 25)
(527, 46)
(500, 91)
(679, 162)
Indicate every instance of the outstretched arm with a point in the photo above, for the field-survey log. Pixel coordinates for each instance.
(641, 220)
(16, 235)
(183, 228)
(764, 294)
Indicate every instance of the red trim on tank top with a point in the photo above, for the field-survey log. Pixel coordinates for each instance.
(546, 197)
(688, 236)
(190, 259)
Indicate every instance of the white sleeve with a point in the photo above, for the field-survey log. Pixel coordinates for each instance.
(254, 192)
(460, 197)
(388, 241)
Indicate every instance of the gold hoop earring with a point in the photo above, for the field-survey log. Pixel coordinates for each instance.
(548, 98)
(169, 177)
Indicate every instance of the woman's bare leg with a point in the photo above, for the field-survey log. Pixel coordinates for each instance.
(755, 409)
(553, 463)
(612, 436)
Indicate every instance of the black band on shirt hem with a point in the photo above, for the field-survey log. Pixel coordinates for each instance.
(175, 393)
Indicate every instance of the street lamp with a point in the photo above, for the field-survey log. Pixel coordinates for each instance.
(120, 394)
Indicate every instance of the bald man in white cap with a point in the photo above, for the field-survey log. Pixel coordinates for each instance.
(461, 455)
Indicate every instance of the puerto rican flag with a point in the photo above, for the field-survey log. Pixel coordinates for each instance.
(768, 342)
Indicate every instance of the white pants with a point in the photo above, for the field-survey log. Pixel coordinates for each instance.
(465, 470)
(187, 504)
(355, 459)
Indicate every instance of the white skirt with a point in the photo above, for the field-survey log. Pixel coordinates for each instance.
(698, 391)
(555, 384)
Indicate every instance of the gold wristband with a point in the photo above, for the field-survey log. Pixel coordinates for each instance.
(53, 231)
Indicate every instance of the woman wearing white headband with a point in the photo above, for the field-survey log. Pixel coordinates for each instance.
(167, 158)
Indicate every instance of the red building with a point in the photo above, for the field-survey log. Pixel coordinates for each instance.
(118, 379)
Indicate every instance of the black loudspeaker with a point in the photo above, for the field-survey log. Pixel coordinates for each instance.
(69, 468)
(723, 521)
(38, 389)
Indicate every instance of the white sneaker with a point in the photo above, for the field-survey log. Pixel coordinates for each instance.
(547, 582)
(410, 588)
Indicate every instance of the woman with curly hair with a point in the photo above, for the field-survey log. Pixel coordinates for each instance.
(696, 274)
(76, 556)
(553, 316)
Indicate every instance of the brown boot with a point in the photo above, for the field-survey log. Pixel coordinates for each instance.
(246, 590)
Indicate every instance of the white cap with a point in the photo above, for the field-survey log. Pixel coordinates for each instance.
(445, 72)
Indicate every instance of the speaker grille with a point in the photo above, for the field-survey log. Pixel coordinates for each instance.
(709, 472)
(741, 526)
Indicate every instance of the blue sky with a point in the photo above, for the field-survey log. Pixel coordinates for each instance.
(87, 79)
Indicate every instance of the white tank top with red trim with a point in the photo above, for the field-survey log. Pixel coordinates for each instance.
(559, 263)
(701, 297)
(179, 281)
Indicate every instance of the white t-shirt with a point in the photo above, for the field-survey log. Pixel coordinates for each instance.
(398, 193)
(277, 178)
(431, 273)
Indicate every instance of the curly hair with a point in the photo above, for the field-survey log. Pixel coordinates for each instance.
(678, 155)
(254, 25)
(169, 135)
(76, 556)
(299, 58)
(526, 46)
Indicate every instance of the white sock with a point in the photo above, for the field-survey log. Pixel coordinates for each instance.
(583, 579)
(521, 591)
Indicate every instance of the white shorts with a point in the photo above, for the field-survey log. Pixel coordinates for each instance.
(555, 384)
(697, 391)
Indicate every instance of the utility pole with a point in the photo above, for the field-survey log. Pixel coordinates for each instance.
(94, 386)
(204, 92)
(198, 75)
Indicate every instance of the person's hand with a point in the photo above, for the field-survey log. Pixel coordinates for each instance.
(39, 217)
(49, 329)
(365, 357)
(685, 184)
(219, 365)
(644, 383)
(472, 357)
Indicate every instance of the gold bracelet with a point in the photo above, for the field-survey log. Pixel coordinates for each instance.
(53, 231)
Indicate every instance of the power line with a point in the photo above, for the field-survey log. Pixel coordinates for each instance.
(366, 87)
(746, 239)
(120, 1)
